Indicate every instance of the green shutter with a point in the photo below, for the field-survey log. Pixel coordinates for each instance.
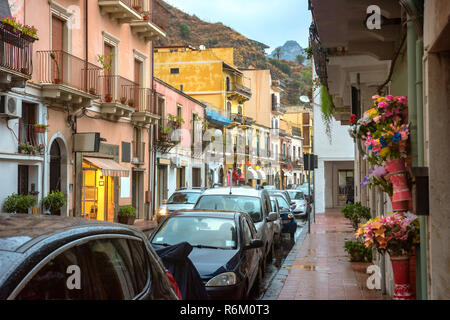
(126, 152)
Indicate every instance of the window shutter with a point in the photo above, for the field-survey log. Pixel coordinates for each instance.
(126, 152)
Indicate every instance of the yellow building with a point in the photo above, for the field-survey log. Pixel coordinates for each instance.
(209, 75)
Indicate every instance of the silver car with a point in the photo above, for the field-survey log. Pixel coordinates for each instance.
(301, 205)
(179, 200)
(254, 202)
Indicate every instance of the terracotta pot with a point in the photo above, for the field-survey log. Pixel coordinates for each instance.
(399, 206)
(39, 129)
(108, 98)
(57, 81)
(400, 267)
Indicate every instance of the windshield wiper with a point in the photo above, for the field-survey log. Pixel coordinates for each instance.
(201, 246)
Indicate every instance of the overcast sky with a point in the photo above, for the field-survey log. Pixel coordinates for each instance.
(272, 22)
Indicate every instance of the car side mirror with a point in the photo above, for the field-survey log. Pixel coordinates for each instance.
(272, 217)
(255, 243)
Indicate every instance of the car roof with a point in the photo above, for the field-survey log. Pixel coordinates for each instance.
(206, 213)
(18, 231)
(194, 190)
(241, 191)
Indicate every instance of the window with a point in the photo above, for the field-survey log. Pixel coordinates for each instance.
(174, 70)
(228, 110)
(140, 263)
(240, 110)
(246, 233)
(228, 84)
(251, 205)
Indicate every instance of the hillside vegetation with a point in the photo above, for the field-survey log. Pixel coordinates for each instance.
(184, 29)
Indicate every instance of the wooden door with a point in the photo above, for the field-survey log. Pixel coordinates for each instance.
(109, 199)
(57, 48)
(138, 81)
(108, 80)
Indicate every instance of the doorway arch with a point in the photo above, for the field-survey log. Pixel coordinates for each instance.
(58, 169)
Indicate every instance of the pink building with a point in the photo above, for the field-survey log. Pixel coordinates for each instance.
(91, 73)
(180, 164)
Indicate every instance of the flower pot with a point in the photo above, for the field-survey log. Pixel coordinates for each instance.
(91, 91)
(25, 71)
(127, 220)
(396, 165)
(108, 98)
(28, 38)
(146, 18)
(57, 81)
(39, 129)
(399, 206)
(123, 100)
(400, 267)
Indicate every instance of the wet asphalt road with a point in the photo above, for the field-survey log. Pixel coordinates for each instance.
(271, 284)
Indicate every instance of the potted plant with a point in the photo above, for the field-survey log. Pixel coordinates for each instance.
(54, 201)
(123, 100)
(131, 102)
(40, 128)
(137, 7)
(396, 234)
(108, 97)
(57, 80)
(26, 148)
(127, 215)
(11, 24)
(105, 61)
(356, 213)
(146, 15)
(358, 251)
(92, 91)
(29, 33)
(40, 149)
(17, 203)
(164, 133)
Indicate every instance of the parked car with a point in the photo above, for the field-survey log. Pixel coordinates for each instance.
(256, 203)
(226, 249)
(277, 223)
(288, 222)
(179, 200)
(286, 195)
(269, 187)
(301, 205)
(306, 192)
(45, 257)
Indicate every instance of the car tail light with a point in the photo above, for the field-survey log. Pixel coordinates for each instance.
(174, 284)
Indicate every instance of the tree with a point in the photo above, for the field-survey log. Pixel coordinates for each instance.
(278, 53)
(185, 30)
(300, 58)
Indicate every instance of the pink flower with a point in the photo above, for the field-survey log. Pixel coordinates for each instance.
(375, 97)
(389, 97)
(383, 104)
(377, 119)
(403, 100)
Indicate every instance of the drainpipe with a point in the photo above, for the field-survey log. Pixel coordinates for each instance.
(415, 91)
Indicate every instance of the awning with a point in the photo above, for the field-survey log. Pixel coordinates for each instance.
(110, 168)
(216, 118)
(252, 174)
(262, 175)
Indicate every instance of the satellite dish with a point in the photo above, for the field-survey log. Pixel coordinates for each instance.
(202, 47)
(304, 99)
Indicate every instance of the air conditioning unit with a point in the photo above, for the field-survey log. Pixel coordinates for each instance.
(8, 107)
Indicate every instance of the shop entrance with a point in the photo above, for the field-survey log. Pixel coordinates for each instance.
(345, 191)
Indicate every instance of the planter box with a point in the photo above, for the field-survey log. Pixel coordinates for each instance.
(126, 220)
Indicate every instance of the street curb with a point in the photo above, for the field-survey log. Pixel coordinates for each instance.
(278, 280)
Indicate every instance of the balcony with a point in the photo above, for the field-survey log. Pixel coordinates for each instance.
(236, 119)
(297, 164)
(239, 92)
(248, 122)
(153, 24)
(16, 65)
(117, 96)
(146, 111)
(163, 143)
(278, 109)
(67, 80)
(124, 11)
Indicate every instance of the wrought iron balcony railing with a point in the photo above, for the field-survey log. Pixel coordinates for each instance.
(118, 89)
(15, 52)
(146, 101)
(60, 67)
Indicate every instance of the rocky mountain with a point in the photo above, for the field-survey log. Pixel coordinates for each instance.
(185, 29)
(289, 51)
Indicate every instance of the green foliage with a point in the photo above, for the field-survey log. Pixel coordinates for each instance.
(19, 203)
(127, 211)
(300, 58)
(54, 201)
(309, 52)
(185, 30)
(283, 66)
(358, 251)
(277, 53)
(327, 106)
(212, 42)
(356, 213)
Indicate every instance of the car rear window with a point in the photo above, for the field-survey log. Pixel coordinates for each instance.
(295, 195)
(183, 198)
(198, 231)
(250, 205)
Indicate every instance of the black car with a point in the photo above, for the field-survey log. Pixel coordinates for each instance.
(60, 258)
(226, 251)
(288, 222)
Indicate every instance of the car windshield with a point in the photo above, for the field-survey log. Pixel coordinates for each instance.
(199, 232)
(274, 204)
(183, 198)
(295, 195)
(282, 203)
(250, 205)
